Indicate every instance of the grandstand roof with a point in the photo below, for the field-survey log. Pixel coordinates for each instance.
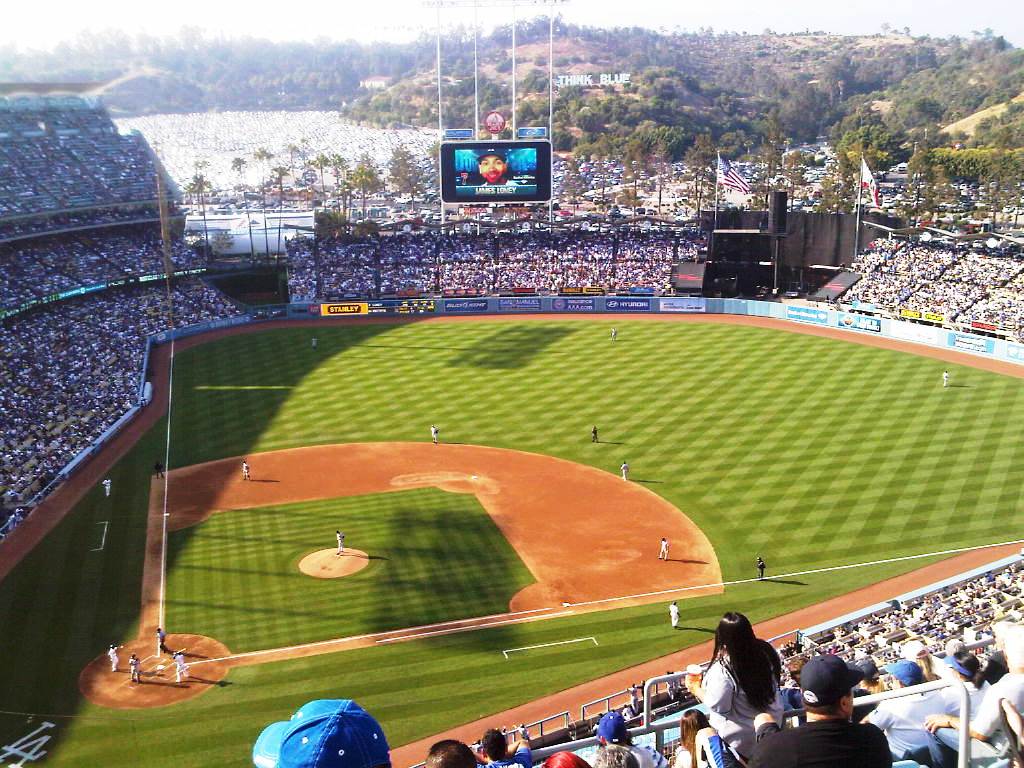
(48, 89)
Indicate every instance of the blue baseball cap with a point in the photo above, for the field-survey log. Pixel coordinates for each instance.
(326, 733)
(612, 728)
(907, 672)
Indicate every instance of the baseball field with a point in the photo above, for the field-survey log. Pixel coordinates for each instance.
(516, 531)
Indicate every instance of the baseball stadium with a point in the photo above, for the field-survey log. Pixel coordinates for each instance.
(430, 468)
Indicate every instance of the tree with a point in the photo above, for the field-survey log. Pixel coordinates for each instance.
(405, 173)
(769, 158)
(573, 185)
(238, 166)
(794, 166)
(198, 186)
(263, 157)
(700, 163)
(366, 179)
(278, 173)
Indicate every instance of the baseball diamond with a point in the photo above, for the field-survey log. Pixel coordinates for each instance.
(744, 436)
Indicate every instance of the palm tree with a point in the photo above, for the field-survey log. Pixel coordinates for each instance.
(366, 179)
(339, 168)
(200, 186)
(279, 172)
(238, 166)
(320, 162)
(263, 157)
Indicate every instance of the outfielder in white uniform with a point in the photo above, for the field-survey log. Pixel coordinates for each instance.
(434, 433)
(663, 552)
(106, 486)
(245, 469)
(615, 334)
(945, 383)
(341, 542)
(673, 614)
(112, 655)
(625, 470)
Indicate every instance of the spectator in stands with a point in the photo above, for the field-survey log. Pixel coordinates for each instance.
(967, 668)
(742, 680)
(691, 724)
(612, 756)
(792, 696)
(495, 751)
(902, 719)
(829, 740)
(931, 668)
(557, 760)
(450, 753)
(873, 681)
(996, 666)
(612, 731)
(988, 743)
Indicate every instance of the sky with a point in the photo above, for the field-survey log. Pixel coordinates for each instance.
(42, 25)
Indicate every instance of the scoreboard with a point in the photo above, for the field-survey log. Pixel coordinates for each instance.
(383, 307)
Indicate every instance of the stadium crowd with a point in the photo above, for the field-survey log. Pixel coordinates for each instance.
(39, 267)
(74, 370)
(59, 154)
(959, 284)
(434, 263)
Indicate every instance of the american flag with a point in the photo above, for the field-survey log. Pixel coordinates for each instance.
(728, 177)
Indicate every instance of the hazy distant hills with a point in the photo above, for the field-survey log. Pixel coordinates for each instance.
(681, 84)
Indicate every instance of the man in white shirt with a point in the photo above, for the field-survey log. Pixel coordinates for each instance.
(988, 743)
(902, 719)
(673, 614)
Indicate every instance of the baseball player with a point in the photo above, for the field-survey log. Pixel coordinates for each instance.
(161, 636)
(341, 542)
(245, 469)
(615, 334)
(180, 667)
(760, 568)
(434, 433)
(134, 667)
(663, 552)
(106, 486)
(593, 435)
(624, 467)
(945, 383)
(673, 614)
(112, 655)
(313, 343)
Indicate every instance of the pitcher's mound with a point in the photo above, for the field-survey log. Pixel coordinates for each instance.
(326, 564)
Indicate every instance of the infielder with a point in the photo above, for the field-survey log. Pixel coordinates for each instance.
(673, 614)
(663, 552)
(625, 470)
(341, 542)
(434, 433)
(615, 334)
(945, 383)
(112, 655)
(106, 486)
(245, 469)
(134, 667)
(593, 435)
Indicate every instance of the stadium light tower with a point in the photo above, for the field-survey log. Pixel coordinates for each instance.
(514, 5)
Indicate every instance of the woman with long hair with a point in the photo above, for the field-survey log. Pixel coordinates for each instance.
(741, 682)
(968, 669)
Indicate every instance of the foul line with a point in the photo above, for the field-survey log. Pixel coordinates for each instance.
(103, 540)
(830, 568)
(167, 474)
(418, 635)
(507, 651)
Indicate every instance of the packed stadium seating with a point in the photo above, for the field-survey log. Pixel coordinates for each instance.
(432, 263)
(58, 154)
(75, 370)
(957, 284)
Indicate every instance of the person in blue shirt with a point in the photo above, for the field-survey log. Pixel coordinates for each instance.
(495, 750)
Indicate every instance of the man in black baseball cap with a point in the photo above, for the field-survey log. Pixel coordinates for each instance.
(829, 739)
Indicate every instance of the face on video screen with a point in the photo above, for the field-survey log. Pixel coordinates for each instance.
(496, 171)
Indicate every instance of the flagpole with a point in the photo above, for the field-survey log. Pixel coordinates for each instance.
(860, 190)
(718, 164)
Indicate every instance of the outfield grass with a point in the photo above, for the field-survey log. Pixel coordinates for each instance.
(435, 556)
(809, 451)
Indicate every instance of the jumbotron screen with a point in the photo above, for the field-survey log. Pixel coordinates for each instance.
(496, 171)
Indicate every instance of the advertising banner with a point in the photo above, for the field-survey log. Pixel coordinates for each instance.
(910, 314)
(984, 326)
(339, 308)
(524, 304)
(1015, 352)
(922, 334)
(682, 304)
(807, 315)
(970, 343)
(934, 317)
(562, 304)
(859, 322)
(627, 305)
(465, 306)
